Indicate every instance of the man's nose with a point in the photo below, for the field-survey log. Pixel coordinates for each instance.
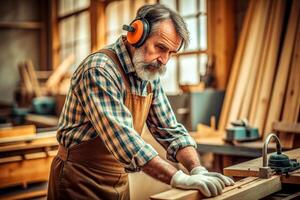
(163, 58)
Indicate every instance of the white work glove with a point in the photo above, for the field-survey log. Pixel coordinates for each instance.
(224, 179)
(208, 185)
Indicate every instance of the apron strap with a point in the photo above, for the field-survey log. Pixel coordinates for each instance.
(112, 55)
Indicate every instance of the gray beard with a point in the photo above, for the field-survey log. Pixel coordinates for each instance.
(142, 68)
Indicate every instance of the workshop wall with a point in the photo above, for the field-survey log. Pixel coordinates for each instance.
(18, 43)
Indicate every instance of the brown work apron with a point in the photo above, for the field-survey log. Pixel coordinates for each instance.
(88, 170)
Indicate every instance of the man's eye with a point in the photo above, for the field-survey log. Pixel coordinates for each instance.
(160, 47)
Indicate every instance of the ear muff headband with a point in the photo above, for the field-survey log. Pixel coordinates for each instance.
(138, 32)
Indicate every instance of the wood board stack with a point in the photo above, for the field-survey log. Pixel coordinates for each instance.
(264, 81)
(25, 159)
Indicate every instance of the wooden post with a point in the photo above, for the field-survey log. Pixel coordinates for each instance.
(98, 24)
(54, 34)
(222, 39)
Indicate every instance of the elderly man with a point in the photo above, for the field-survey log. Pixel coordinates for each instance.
(113, 93)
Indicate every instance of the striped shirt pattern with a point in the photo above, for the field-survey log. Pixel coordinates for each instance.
(94, 106)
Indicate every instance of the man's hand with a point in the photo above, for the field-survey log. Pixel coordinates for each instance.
(201, 170)
(208, 185)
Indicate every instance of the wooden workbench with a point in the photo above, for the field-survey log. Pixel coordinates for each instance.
(251, 168)
(247, 188)
(25, 161)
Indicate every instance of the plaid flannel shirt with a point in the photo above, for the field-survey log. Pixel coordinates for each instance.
(94, 106)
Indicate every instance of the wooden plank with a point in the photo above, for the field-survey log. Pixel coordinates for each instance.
(33, 78)
(25, 171)
(251, 188)
(246, 62)
(251, 168)
(42, 119)
(179, 194)
(29, 138)
(255, 65)
(292, 99)
(25, 130)
(260, 76)
(25, 78)
(283, 68)
(58, 73)
(286, 127)
(236, 66)
(270, 65)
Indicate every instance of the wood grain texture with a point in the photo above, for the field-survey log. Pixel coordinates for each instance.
(246, 62)
(270, 65)
(292, 99)
(236, 66)
(249, 188)
(255, 64)
(277, 98)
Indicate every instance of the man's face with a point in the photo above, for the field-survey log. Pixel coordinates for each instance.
(151, 58)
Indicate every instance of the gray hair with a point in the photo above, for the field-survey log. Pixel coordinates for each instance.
(156, 13)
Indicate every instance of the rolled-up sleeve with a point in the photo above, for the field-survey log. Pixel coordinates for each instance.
(164, 127)
(102, 101)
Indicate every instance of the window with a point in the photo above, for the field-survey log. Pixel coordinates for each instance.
(74, 29)
(191, 62)
(185, 67)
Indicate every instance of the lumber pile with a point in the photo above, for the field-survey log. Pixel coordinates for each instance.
(264, 81)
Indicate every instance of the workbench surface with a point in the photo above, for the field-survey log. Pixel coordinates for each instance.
(251, 168)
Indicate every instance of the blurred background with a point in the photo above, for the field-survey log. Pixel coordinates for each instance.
(241, 63)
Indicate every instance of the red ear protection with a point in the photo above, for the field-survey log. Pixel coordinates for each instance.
(138, 32)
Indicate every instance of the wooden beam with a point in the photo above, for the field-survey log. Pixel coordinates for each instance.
(21, 25)
(286, 127)
(249, 188)
(98, 24)
(55, 42)
(223, 40)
